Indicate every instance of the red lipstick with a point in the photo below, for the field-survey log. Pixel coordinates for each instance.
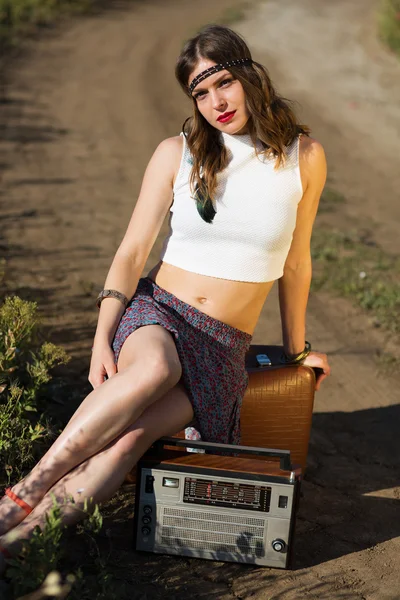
(226, 117)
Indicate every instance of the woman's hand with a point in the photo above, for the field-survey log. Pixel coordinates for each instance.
(102, 365)
(318, 361)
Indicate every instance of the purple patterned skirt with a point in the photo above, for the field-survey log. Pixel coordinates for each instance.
(212, 355)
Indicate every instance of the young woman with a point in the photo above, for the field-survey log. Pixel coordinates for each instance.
(242, 184)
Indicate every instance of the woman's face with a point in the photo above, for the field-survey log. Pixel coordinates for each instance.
(220, 99)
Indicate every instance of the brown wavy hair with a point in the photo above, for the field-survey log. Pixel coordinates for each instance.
(272, 120)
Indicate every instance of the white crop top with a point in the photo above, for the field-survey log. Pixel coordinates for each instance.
(256, 207)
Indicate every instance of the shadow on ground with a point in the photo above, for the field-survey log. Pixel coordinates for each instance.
(348, 504)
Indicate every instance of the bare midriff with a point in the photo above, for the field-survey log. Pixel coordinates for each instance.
(236, 303)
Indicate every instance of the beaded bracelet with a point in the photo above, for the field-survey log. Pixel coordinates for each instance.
(295, 359)
(111, 294)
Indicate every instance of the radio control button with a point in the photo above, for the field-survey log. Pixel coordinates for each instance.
(147, 510)
(149, 485)
(146, 530)
(146, 520)
(278, 545)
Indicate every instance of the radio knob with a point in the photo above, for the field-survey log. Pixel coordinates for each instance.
(146, 530)
(278, 545)
(147, 510)
(146, 520)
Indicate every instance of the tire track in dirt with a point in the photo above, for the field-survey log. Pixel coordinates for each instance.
(85, 112)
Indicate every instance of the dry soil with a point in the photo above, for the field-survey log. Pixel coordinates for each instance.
(83, 107)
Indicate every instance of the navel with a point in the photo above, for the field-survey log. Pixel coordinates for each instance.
(202, 300)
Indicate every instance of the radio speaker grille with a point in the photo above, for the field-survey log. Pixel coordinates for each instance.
(213, 532)
(210, 516)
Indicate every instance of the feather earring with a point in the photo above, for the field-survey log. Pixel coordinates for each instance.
(204, 204)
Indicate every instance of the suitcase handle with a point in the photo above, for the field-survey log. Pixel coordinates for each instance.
(283, 455)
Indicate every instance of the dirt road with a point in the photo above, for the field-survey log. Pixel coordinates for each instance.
(84, 108)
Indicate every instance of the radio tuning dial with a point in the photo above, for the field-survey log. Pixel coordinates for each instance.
(147, 510)
(146, 530)
(278, 545)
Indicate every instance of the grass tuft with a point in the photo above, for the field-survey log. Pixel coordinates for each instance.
(233, 15)
(329, 200)
(389, 24)
(353, 266)
(19, 18)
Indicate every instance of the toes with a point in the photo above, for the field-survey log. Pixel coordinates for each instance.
(10, 515)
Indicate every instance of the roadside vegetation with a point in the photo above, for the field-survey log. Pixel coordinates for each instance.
(22, 17)
(44, 568)
(353, 266)
(25, 365)
(389, 24)
(350, 264)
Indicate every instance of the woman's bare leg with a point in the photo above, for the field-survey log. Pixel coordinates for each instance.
(101, 475)
(148, 368)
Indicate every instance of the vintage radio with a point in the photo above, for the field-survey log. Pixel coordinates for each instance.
(227, 508)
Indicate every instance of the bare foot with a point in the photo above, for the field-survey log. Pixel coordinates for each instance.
(12, 511)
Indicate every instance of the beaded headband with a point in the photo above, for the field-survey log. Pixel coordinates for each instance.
(240, 62)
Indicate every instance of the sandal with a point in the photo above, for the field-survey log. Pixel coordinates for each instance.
(21, 503)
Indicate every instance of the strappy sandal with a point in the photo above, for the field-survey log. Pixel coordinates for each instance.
(21, 503)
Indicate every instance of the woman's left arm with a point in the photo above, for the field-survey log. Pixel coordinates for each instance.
(294, 285)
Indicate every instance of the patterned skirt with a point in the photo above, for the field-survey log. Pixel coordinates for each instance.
(212, 355)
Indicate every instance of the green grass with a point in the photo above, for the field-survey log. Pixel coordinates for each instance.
(25, 367)
(21, 17)
(233, 15)
(387, 363)
(352, 265)
(330, 200)
(389, 24)
(237, 13)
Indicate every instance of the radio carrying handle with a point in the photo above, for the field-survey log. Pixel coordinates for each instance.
(283, 455)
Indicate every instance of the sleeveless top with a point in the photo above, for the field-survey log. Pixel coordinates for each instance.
(256, 207)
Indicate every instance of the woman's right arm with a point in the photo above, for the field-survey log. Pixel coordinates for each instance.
(154, 201)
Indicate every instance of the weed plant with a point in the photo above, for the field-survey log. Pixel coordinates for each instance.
(39, 555)
(25, 367)
(389, 24)
(43, 570)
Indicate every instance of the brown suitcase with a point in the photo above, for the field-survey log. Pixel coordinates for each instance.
(277, 406)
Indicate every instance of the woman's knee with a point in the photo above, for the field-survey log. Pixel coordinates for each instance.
(153, 371)
(164, 367)
(154, 353)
